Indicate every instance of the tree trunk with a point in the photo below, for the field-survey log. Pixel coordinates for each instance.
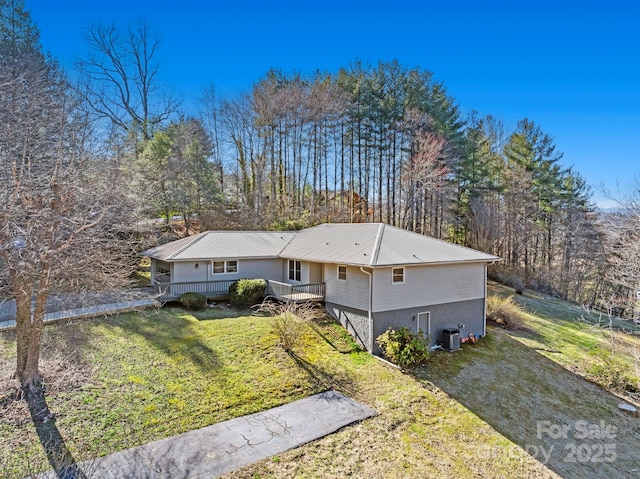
(22, 297)
(29, 326)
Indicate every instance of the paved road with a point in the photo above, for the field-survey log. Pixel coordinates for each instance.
(74, 307)
(227, 446)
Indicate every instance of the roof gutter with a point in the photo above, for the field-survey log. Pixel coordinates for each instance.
(370, 307)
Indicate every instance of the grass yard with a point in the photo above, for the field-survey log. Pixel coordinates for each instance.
(122, 381)
(579, 341)
(134, 378)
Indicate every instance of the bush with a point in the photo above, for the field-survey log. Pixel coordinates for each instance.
(508, 278)
(292, 224)
(504, 311)
(289, 329)
(246, 292)
(614, 375)
(193, 301)
(402, 347)
(289, 321)
(518, 285)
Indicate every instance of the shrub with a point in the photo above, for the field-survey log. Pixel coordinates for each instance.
(289, 328)
(402, 347)
(508, 278)
(290, 320)
(518, 285)
(504, 311)
(193, 301)
(246, 292)
(292, 224)
(613, 374)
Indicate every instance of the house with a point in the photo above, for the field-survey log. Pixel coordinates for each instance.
(370, 276)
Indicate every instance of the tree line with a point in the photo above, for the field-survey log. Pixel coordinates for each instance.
(368, 143)
(388, 144)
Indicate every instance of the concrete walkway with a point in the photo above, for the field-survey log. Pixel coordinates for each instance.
(7, 320)
(224, 447)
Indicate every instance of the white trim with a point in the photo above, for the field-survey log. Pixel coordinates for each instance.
(295, 270)
(346, 269)
(404, 271)
(428, 315)
(370, 307)
(225, 267)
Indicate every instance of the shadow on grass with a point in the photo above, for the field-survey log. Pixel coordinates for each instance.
(53, 444)
(323, 378)
(541, 407)
(220, 312)
(172, 335)
(335, 338)
(157, 459)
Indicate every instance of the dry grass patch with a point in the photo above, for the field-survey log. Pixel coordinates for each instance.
(504, 312)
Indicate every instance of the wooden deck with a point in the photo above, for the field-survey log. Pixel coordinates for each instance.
(296, 292)
(299, 297)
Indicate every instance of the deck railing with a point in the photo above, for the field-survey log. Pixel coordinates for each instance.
(220, 290)
(210, 289)
(296, 292)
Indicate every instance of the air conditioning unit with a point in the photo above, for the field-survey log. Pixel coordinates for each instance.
(451, 339)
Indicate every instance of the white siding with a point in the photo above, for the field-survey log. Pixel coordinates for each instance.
(425, 285)
(247, 268)
(354, 292)
(184, 272)
(261, 269)
(315, 273)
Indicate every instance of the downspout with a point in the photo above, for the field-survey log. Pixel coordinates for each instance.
(370, 307)
(484, 323)
(373, 262)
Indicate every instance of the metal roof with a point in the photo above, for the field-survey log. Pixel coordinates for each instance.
(376, 244)
(360, 244)
(223, 244)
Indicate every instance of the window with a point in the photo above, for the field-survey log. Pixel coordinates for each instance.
(221, 267)
(294, 270)
(398, 275)
(218, 267)
(342, 272)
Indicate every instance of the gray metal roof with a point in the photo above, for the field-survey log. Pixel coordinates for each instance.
(376, 244)
(360, 244)
(223, 244)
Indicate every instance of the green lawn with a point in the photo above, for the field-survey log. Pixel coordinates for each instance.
(122, 381)
(568, 335)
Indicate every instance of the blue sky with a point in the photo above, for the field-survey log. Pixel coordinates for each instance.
(571, 67)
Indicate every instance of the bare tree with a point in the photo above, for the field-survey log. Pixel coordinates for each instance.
(482, 224)
(59, 214)
(210, 119)
(120, 78)
(423, 172)
(623, 251)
